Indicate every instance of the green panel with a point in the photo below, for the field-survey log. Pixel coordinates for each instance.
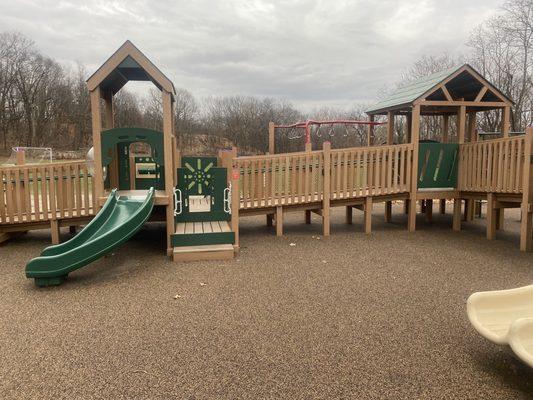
(200, 239)
(123, 150)
(117, 221)
(216, 184)
(119, 139)
(437, 165)
(146, 183)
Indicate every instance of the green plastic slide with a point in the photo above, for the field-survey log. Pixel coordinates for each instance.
(118, 220)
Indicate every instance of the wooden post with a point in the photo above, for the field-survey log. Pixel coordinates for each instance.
(54, 229)
(506, 121)
(470, 210)
(500, 218)
(307, 217)
(445, 128)
(526, 225)
(271, 138)
(20, 157)
(327, 183)
(491, 216)
(108, 110)
(235, 200)
(461, 120)
(409, 126)
(429, 210)
(169, 165)
(457, 214)
(388, 211)
(269, 218)
(96, 117)
(442, 206)
(390, 128)
(349, 215)
(368, 215)
(370, 131)
(415, 132)
(390, 141)
(406, 206)
(279, 221)
(472, 134)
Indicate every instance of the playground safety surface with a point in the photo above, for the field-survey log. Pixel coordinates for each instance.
(353, 316)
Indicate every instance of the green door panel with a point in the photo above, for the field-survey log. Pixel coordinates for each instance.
(437, 165)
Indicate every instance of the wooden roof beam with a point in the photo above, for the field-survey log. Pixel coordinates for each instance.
(439, 103)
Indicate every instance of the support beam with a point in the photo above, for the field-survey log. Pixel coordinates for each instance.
(269, 218)
(526, 225)
(307, 217)
(168, 130)
(461, 121)
(429, 210)
(491, 216)
(235, 201)
(368, 215)
(54, 230)
(390, 128)
(388, 211)
(279, 221)
(442, 208)
(96, 118)
(506, 121)
(472, 134)
(408, 126)
(271, 138)
(456, 215)
(415, 132)
(349, 215)
(445, 128)
(327, 189)
(370, 132)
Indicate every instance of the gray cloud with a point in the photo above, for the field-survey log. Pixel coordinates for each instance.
(310, 52)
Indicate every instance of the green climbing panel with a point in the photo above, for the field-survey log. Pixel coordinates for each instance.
(437, 165)
(202, 191)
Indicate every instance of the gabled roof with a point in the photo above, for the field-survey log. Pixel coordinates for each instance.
(464, 79)
(128, 63)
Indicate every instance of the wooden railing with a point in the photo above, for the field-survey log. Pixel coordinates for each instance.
(33, 193)
(297, 178)
(492, 166)
(290, 178)
(370, 171)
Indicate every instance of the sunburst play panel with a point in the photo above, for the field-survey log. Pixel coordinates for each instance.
(202, 204)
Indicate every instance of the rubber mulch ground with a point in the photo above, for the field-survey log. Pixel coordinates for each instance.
(378, 316)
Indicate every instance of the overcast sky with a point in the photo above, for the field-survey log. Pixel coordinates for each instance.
(313, 53)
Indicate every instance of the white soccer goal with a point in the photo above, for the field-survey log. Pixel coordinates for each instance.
(32, 155)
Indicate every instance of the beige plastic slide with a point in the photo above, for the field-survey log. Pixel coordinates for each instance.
(505, 317)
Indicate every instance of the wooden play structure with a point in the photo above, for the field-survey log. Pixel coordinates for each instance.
(201, 199)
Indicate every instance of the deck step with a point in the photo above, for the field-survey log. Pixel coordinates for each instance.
(202, 233)
(204, 252)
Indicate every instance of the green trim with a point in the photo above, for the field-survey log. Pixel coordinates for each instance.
(200, 239)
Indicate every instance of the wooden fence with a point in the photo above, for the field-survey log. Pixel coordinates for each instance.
(298, 178)
(43, 192)
(492, 166)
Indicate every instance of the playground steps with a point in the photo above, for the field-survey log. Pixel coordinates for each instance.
(206, 240)
(202, 253)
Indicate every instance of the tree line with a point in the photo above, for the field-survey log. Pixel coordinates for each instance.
(43, 103)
